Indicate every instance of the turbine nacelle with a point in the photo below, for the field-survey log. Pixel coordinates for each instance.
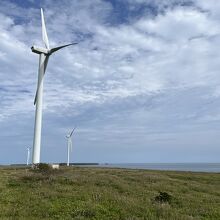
(40, 50)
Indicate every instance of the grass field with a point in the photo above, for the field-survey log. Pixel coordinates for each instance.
(103, 193)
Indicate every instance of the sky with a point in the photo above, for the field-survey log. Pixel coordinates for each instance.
(142, 85)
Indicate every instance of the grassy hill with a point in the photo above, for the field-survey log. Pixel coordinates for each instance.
(103, 193)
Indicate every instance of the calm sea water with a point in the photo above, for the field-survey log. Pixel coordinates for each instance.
(194, 167)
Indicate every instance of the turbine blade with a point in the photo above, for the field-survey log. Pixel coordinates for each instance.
(35, 98)
(60, 47)
(71, 145)
(45, 66)
(72, 131)
(45, 63)
(68, 143)
(44, 31)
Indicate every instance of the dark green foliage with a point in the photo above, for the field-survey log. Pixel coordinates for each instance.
(43, 168)
(163, 197)
(14, 183)
(87, 213)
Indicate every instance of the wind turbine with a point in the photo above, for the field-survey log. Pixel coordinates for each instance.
(69, 145)
(28, 155)
(44, 54)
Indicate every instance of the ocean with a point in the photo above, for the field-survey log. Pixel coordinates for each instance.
(192, 167)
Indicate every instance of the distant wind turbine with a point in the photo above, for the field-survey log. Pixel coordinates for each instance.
(28, 155)
(69, 145)
(44, 54)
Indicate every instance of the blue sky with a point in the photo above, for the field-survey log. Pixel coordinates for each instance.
(142, 85)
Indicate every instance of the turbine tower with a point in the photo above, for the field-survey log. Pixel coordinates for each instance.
(69, 146)
(44, 54)
(28, 155)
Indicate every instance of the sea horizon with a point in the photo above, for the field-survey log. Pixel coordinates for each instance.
(191, 167)
(180, 166)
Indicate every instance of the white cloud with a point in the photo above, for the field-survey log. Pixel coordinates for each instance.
(171, 50)
(180, 24)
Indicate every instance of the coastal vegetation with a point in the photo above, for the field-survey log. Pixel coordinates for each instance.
(107, 193)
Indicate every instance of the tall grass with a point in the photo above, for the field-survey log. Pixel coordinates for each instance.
(103, 193)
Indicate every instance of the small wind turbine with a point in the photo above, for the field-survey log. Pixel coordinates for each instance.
(28, 155)
(69, 145)
(44, 54)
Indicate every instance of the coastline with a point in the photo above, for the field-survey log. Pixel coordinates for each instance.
(184, 167)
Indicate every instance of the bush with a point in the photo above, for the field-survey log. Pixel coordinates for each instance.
(43, 168)
(163, 197)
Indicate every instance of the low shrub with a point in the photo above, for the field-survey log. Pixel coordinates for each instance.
(43, 168)
(163, 197)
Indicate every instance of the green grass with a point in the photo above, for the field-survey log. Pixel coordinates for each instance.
(103, 193)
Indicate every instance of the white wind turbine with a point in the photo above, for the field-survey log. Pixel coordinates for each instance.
(69, 145)
(28, 155)
(44, 54)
